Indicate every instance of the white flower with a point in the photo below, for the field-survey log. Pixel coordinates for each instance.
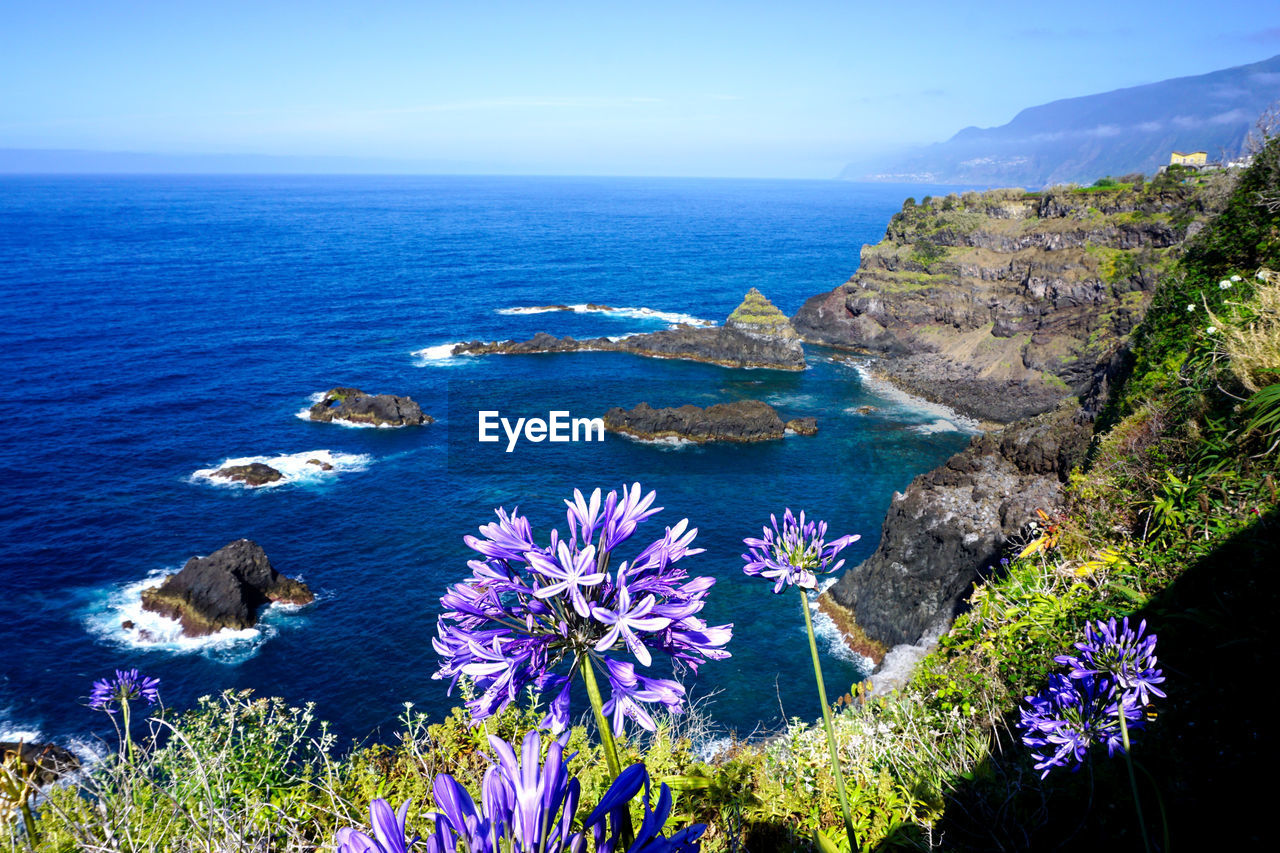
(1224, 285)
(1259, 275)
(1211, 329)
(1235, 278)
(1190, 308)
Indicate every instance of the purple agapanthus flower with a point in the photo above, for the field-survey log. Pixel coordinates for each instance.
(1122, 653)
(1073, 714)
(526, 806)
(795, 553)
(109, 694)
(528, 608)
(607, 819)
(389, 834)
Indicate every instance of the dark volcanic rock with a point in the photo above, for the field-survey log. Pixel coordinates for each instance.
(755, 335)
(223, 590)
(49, 761)
(357, 407)
(951, 525)
(803, 426)
(744, 420)
(253, 474)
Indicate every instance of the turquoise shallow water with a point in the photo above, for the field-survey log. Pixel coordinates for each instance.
(155, 327)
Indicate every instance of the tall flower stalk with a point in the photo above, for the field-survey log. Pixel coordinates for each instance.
(793, 555)
(528, 611)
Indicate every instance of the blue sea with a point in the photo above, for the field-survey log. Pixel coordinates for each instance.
(152, 328)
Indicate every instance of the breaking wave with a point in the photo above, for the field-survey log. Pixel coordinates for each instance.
(296, 468)
(107, 616)
(671, 318)
(439, 354)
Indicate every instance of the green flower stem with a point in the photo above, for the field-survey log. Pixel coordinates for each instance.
(606, 740)
(606, 733)
(837, 770)
(128, 739)
(1133, 779)
(29, 818)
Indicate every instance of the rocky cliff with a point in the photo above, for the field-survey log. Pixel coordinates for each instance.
(1011, 307)
(1001, 304)
(953, 524)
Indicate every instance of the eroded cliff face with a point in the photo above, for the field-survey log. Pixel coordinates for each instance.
(952, 525)
(1001, 304)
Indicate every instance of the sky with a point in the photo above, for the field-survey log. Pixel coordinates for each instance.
(771, 89)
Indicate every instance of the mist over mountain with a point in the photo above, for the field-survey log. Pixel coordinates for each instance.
(1113, 133)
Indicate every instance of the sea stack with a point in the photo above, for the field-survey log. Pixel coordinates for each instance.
(224, 590)
(356, 407)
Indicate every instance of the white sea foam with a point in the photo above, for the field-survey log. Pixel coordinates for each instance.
(712, 748)
(898, 663)
(11, 732)
(932, 427)
(829, 634)
(912, 404)
(296, 468)
(671, 318)
(666, 442)
(437, 355)
(106, 617)
(794, 401)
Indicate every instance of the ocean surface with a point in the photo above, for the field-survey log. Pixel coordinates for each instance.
(152, 328)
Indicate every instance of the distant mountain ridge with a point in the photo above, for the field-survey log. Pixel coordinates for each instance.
(1113, 133)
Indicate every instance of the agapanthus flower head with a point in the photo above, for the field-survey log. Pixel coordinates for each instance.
(527, 805)
(1073, 714)
(389, 834)
(607, 818)
(1122, 653)
(530, 610)
(109, 694)
(795, 553)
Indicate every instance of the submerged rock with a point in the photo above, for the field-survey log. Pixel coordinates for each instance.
(254, 474)
(756, 335)
(355, 406)
(223, 590)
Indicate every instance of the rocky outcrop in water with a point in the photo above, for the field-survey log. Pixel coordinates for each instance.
(254, 474)
(803, 426)
(355, 406)
(757, 334)
(741, 421)
(47, 761)
(1001, 304)
(952, 525)
(224, 590)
